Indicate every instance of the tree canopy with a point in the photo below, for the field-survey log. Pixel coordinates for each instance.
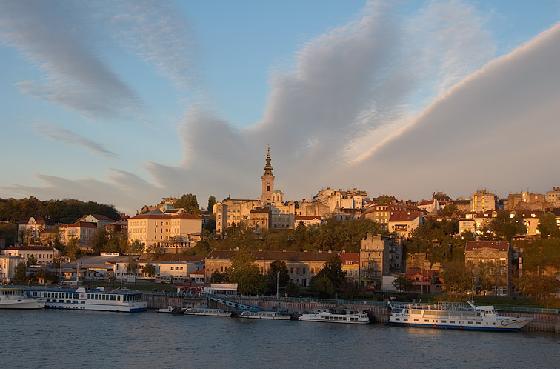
(188, 202)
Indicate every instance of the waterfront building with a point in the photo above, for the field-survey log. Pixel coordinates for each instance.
(302, 266)
(403, 223)
(41, 254)
(169, 232)
(351, 265)
(8, 264)
(491, 263)
(375, 259)
(482, 201)
(30, 232)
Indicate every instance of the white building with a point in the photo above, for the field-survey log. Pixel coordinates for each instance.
(8, 266)
(42, 255)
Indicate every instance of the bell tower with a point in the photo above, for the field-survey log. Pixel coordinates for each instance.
(267, 180)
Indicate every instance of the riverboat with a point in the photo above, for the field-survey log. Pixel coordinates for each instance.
(268, 315)
(15, 298)
(172, 310)
(91, 299)
(343, 317)
(207, 312)
(453, 315)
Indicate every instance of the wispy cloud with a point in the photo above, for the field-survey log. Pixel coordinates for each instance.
(72, 138)
(54, 37)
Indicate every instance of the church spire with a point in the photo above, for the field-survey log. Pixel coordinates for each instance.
(268, 166)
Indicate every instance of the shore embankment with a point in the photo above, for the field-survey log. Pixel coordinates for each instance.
(543, 320)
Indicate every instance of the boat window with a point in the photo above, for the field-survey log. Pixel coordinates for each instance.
(452, 321)
(444, 321)
(478, 323)
(415, 320)
(470, 322)
(426, 320)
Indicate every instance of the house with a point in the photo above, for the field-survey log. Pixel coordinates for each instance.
(83, 232)
(491, 264)
(429, 206)
(100, 220)
(375, 259)
(30, 232)
(8, 264)
(308, 220)
(403, 223)
(351, 265)
(482, 201)
(41, 254)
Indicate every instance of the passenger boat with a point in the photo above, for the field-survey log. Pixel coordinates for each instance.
(453, 315)
(329, 316)
(92, 299)
(172, 310)
(268, 315)
(15, 298)
(207, 312)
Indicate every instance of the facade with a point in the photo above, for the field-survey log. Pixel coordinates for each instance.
(374, 259)
(553, 197)
(531, 220)
(351, 265)
(83, 232)
(381, 213)
(30, 232)
(491, 263)
(42, 255)
(260, 219)
(8, 266)
(100, 220)
(403, 223)
(156, 229)
(482, 201)
(308, 220)
(467, 226)
(302, 266)
(429, 206)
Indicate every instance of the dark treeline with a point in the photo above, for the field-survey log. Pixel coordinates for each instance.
(53, 211)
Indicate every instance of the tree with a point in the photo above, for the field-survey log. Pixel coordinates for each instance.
(330, 279)
(538, 286)
(272, 276)
(246, 274)
(218, 277)
(188, 202)
(20, 273)
(132, 266)
(456, 277)
(99, 241)
(211, 203)
(135, 247)
(31, 260)
(547, 226)
(505, 227)
(149, 270)
(73, 250)
(401, 283)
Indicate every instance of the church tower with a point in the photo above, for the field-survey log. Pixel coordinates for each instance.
(267, 181)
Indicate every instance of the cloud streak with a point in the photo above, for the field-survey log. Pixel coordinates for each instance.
(73, 138)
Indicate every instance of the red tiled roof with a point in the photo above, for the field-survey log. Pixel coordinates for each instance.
(167, 216)
(498, 245)
(350, 257)
(308, 217)
(404, 216)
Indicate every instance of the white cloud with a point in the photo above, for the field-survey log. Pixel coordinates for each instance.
(72, 138)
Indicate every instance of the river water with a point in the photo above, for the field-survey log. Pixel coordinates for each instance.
(81, 339)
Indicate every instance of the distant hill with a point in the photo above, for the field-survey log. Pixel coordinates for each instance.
(53, 211)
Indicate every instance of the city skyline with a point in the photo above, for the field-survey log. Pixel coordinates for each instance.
(104, 105)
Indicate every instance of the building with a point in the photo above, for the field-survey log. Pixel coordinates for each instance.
(8, 264)
(482, 201)
(351, 265)
(260, 219)
(30, 232)
(467, 226)
(531, 220)
(491, 264)
(381, 213)
(553, 197)
(83, 232)
(374, 260)
(403, 223)
(422, 273)
(162, 230)
(100, 220)
(525, 201)
(308, 220)
(41, 254)
(302, 266)
(429, 206)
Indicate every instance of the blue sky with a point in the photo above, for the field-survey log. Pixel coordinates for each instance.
(219, 57)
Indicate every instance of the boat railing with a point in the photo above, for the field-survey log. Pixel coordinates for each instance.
(448, 306)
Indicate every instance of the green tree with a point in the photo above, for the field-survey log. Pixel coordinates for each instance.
(20, 273)
(149, 270)
(211, 203)
(547, 226)
(538, 286)
(31, 260)
(132, 266)
(218, 277)
(401, 283)
(135, 247)
(505, 227)
(276, 267)
(330, 279)
(99, 241)
(457, 278)
(246, 274)
(189, 203)
(72, 249)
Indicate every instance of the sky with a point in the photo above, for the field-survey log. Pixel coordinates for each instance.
(128, 101)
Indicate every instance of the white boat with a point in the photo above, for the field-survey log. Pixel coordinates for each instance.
(453, 315)
(15, 298)
(207, 312)
(95, 299)
(172, 310)
(328, 316)
(269, 315)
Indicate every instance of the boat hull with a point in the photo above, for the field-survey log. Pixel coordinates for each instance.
(98, 307)
(456, 327)
(28, 304)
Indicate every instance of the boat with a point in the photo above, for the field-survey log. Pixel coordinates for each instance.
(332, 316)
(172, 310)
(454, 315)
(207, 312)
(15, 298)
(98, 299)
(268, 315)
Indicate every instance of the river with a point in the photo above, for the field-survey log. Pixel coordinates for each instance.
(82, 339)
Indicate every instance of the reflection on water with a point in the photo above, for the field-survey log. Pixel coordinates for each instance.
(81, 339)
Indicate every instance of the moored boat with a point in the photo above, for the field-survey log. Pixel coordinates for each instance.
(330, 316)
(268, 315)
(453, 315)
(172, 310)
(15, 298)
(207, 312)
(91, 299)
